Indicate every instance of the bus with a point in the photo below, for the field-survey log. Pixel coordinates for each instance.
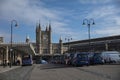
(27, 60)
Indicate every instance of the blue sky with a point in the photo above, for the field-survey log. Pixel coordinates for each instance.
(65, 16)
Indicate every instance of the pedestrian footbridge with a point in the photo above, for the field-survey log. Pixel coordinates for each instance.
(18, 49)
(23, 48)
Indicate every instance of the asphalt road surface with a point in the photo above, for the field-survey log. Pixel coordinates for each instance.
(63, 72)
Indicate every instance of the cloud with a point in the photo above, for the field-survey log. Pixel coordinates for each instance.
(117, 3)
(109, 31)
(107, 20)
(93, 1)
(63, 30)
(31, 11)
(112, 26)
(103, 12)
(26, 10)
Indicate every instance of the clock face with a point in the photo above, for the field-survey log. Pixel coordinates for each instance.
(45, 37)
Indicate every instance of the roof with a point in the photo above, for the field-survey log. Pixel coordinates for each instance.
(117, 37)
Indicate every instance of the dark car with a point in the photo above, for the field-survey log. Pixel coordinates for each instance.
(80, 59)
(70, 58)
(91, 58)
(97, 58)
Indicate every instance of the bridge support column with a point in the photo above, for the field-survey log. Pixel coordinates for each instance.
(6, 57)
(106, 46)
(14, 57)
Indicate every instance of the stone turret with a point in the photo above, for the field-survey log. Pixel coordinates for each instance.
(47, 29)
(50, 39)
(1, 39)
(27, 39)
(38, 39)
(61, 45)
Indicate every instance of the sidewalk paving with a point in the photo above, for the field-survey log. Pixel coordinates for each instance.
(17, 73)
(7, 68)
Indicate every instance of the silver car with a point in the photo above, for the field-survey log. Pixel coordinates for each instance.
(111, 56)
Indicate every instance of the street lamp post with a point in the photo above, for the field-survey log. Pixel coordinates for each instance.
(68, 39)
(89, 23)
(11, 40)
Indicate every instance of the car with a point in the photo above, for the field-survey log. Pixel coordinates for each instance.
(43, 61)
(80, 59)
(55, 60)
(97, 58)
(62, 59)
(70, 59)
(111, 56)
(27, 60)
(91, 55)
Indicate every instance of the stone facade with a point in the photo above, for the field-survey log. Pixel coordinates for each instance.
(44, 45)
(1, 39)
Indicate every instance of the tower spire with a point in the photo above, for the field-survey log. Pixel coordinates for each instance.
(39, 25)
(49, 26)
(36, 27)
(60, 40)
(27, 39)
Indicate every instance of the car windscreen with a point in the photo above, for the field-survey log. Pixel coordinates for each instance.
(97, 55)
(113, 55)
(82, 56)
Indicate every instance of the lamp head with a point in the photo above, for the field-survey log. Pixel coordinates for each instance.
(83, 23)
(93, 23)
(16, 25)
(65, 38)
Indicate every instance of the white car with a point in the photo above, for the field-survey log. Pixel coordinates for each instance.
(111, 56)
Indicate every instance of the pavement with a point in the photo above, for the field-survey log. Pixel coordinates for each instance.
(7, 68)
(16, 73)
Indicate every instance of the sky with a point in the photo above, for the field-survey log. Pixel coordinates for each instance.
(65, 16)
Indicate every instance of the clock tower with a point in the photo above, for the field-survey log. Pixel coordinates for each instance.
(43, 40)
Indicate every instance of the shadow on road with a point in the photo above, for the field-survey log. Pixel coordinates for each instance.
(57, 66)
(53, 66)
(94, 72)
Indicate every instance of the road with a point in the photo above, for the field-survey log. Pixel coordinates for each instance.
(62, 72)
